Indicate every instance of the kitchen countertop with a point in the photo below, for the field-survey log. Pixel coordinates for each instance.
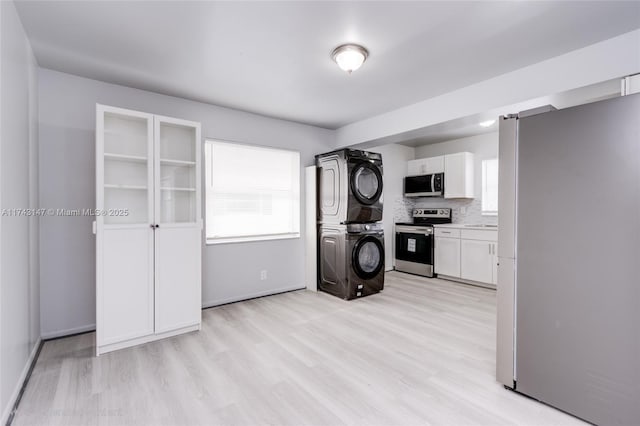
(467, 226)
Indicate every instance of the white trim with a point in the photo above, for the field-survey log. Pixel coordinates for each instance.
(311, 229)
(251, 238)
(6, 412)
(68, 332)
(144, 339)
(469, 282)
(218, 302)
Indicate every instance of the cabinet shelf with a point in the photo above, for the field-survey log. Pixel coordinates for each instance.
(117, 186)
(169, 162)
(123, 157)
(172, 188)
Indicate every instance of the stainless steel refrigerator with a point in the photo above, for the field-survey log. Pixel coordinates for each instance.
(569, 259)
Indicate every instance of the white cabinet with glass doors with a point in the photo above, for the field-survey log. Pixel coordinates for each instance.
(148, 227)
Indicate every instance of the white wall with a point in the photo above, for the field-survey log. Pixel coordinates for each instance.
(484, 147)
(67, 178)
(19, 284)
(394, 163)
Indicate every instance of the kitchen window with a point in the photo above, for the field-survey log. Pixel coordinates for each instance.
(252, 192)
(490, 187)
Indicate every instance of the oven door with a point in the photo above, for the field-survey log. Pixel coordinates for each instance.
(414, 250)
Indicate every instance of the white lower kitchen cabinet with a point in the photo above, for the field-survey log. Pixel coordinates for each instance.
(466, 254)
(477, 261)
(447, 256)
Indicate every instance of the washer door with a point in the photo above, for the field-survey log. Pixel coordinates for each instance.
(366, 183)
(368, 257)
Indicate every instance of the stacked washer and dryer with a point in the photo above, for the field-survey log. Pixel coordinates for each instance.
(350, 233)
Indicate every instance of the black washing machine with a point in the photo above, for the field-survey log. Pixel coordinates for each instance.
(351, 259)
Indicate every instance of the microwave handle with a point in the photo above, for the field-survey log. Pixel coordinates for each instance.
(433, 182)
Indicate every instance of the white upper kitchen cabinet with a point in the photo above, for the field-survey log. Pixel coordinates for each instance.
(425, 166)
(458, 175)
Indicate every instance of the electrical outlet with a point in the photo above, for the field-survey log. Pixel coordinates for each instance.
(463, 210)
(263, 275)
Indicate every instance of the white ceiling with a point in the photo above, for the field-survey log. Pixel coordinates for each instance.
(272, 58)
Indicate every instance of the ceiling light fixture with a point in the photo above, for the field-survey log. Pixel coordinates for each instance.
(349, 57)
(487, 123)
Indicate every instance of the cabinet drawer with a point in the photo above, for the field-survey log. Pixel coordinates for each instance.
(479, 234)
(447, 232)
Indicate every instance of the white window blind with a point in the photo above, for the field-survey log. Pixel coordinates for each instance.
(251, 192)
(490, 186)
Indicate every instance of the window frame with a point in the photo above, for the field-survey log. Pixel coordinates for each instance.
(256, 237)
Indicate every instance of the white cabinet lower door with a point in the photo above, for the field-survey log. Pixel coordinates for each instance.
(494, 264)
(125, 296)
(178, 275)
(447, 256)
(477, 260)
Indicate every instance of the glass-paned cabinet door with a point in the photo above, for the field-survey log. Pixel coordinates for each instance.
(178, 155)
(125, 166)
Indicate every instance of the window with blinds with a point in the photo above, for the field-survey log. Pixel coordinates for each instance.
(252, 192)
(490, 187)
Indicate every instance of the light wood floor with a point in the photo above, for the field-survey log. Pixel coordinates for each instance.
(421, 352)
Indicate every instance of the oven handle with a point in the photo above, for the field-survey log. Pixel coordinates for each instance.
(422, 231)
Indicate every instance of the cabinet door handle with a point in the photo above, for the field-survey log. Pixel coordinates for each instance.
(489, 248)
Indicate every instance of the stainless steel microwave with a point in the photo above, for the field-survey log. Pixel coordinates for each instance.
(424, 185)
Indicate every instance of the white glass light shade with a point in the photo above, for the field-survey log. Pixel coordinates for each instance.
(350, 57)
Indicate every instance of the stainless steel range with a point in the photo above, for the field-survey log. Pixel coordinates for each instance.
(414, 241)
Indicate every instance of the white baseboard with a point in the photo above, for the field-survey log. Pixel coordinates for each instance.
(209, 304)
(6, 411)
(68, 332)
(213, 303)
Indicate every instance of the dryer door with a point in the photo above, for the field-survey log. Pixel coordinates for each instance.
(366, 182)
(368, 257)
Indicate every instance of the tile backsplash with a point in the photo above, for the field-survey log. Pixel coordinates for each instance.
(402, 209)
(472, 214)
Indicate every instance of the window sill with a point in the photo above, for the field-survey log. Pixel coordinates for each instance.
(252, 238)
(489, 213)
